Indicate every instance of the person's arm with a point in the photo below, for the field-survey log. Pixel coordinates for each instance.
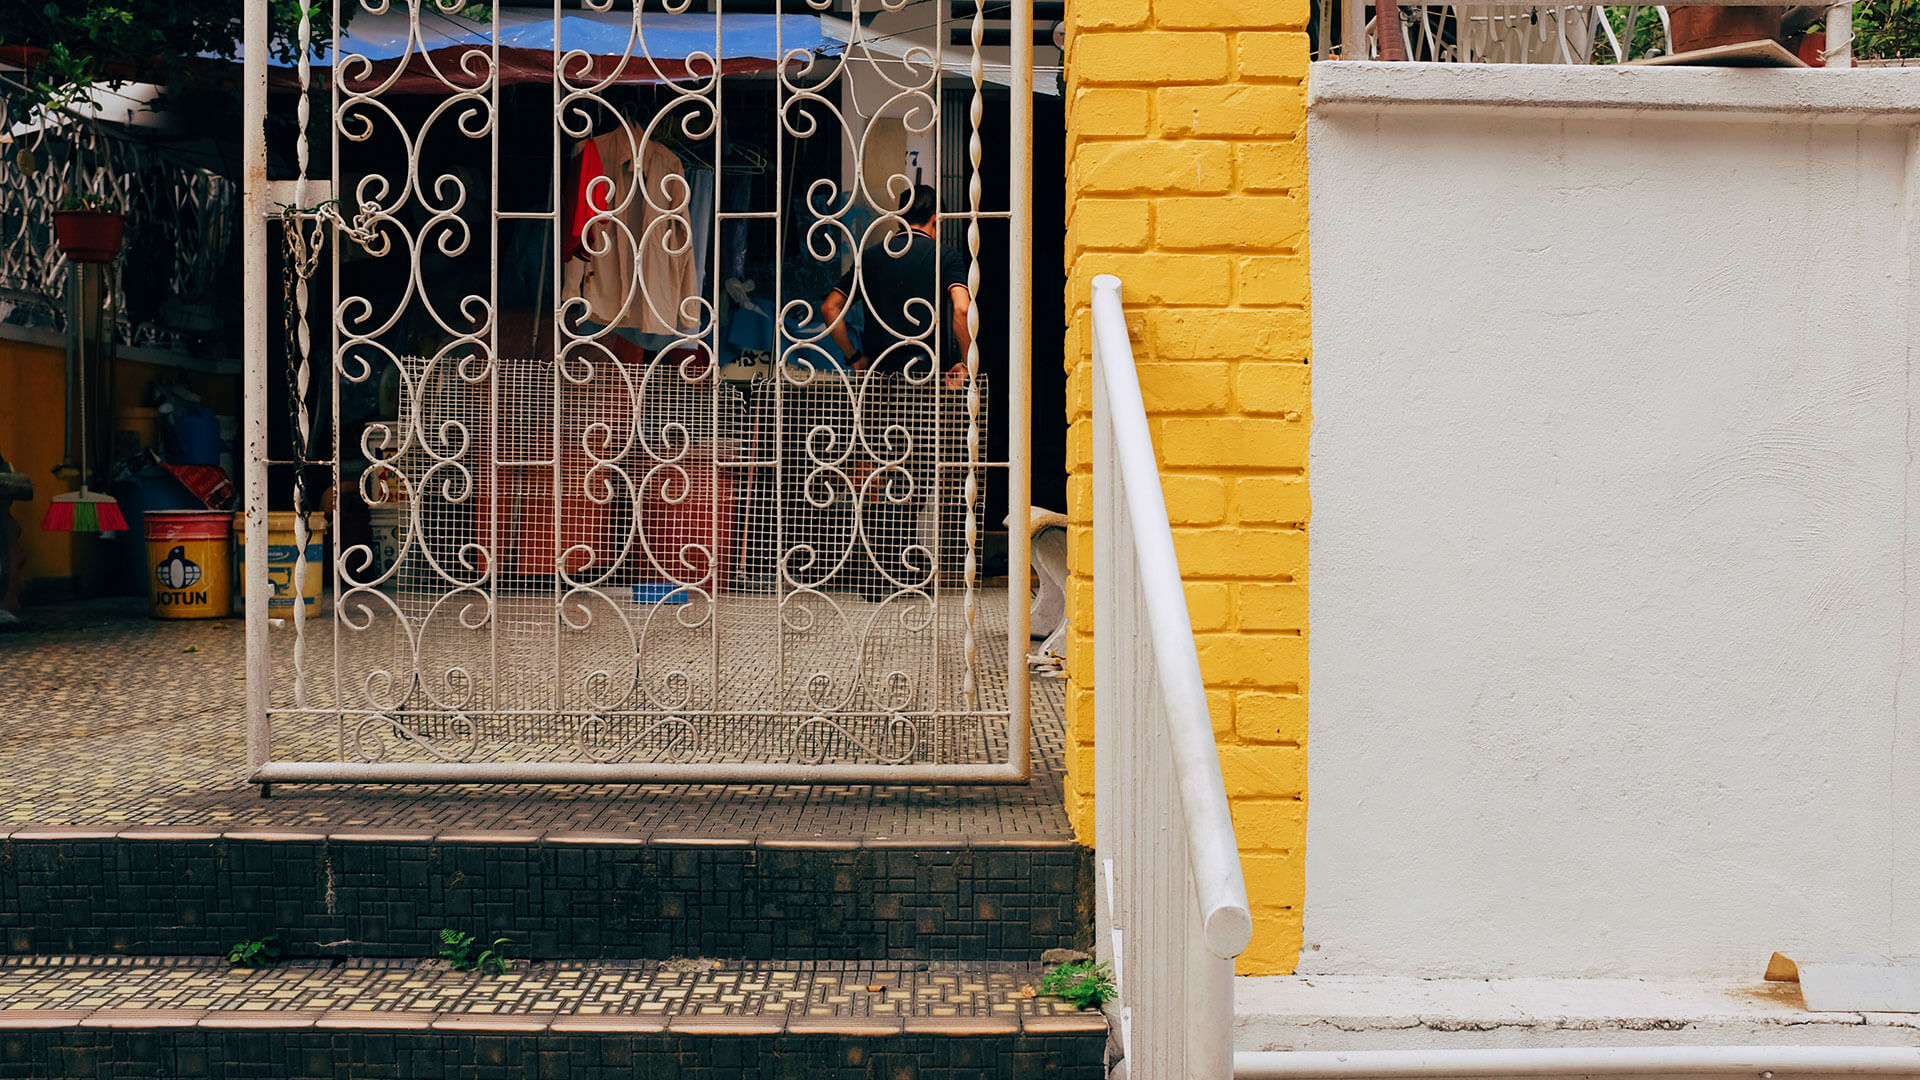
(957, 373)
(831, 309)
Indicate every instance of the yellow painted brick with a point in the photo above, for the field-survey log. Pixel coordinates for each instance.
(1098, 14)
(1148, 59)
(1263, 772)
(1080, 766)
(1272, 606)
(1271, 500)
(1242, 659)
(1078, 650)
(1271, 56)
(1223, 441)
(1273, 334)
(1237, 223)
(1275, 879)
(1080, 714)
(1270, 389)
(1241, 554)
(1241, 110)
(1194, 500)
(1209, 605)
(1079, 393)
(1272, 279)
(1079, 556)
(1156, 278)
(1267, 716)
(1145, 168)
(1275, 949)
(1079, 444)
(1080, 499)
(1080, 596)
(1079, 317)
(1191, 387)
(1105, 112)
(1113, 224)
(1079, 808)
(1254, 14)
(1220, 710)
(1270, 166)
(1269, 824)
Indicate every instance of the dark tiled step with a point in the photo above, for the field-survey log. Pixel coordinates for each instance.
(72, 1016)
(556, 895)
(281, 1054)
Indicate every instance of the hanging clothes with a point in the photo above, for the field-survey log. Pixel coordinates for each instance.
(641, 289)
(700, 207)
(588, 199)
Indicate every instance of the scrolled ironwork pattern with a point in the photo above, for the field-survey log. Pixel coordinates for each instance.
(608, 485)
(180, 222)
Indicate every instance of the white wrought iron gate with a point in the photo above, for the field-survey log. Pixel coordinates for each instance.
(557, 471)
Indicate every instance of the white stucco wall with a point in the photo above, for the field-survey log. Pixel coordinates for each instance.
(1614, 519)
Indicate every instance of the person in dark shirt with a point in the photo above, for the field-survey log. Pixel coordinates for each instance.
(900, 291)
(906, 284)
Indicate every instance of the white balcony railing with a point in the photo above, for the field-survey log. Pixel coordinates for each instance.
(1516, 33)
(1173, 911)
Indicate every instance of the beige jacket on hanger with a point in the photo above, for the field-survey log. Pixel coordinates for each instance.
(643, 293)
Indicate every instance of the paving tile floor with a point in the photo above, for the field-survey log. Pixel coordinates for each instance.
(822, 996)
(112, 721)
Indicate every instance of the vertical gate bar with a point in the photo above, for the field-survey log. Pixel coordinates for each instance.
(253, 204)
(939, 343)
(711, 326)
(331, 350)
(556, 467)
(303, 438)
(976, 106)
(1019, 396)
(336, 339)
(781, 350)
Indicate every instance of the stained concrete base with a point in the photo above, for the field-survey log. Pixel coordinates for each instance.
(1322, 1012)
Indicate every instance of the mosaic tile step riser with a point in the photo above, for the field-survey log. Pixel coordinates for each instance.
(155, 897)
(110, 1055)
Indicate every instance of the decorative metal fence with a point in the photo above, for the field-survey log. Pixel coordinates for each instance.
(170, 291)
(583, 485)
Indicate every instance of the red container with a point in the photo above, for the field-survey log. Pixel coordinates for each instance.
(89, 235)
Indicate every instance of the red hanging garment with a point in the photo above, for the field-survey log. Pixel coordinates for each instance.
(586, 168)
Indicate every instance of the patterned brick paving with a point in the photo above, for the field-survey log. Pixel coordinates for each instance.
(816, 998)
(113, 723)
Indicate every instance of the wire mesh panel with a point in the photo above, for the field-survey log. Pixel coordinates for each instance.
(641, 425)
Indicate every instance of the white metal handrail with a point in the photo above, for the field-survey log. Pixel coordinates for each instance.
(1174, 911)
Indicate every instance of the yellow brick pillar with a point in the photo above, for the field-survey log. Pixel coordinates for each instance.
(1187, 178)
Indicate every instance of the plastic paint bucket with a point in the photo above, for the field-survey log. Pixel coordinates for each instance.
(280, 559)
(187, 569)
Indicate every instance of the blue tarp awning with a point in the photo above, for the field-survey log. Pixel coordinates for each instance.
(664, 46)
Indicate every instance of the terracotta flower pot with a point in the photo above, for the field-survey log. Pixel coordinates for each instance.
(89, 235)
(1707, 27)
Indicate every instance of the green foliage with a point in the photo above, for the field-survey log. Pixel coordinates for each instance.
(1882, 30)
(73, 44)
(1886, 29)
(463, 952)
(255, 952)
(1082, 984)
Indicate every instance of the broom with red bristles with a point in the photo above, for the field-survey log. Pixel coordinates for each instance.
(84, 510)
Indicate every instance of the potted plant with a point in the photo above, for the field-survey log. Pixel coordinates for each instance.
(87, 231)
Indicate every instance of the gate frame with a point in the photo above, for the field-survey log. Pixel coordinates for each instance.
(257, 207)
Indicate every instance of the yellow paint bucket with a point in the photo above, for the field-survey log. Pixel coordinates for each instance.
(187, 570)
(280, 560)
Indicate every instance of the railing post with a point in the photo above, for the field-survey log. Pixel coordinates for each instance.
(1176, 908)
(253, 227)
